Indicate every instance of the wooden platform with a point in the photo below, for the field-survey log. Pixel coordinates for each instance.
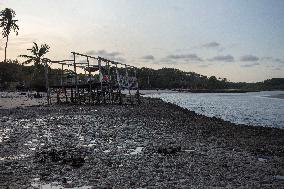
(95, 93)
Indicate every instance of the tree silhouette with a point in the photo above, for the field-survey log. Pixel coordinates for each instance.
(39, 61)
(37, 54)
(8, 24)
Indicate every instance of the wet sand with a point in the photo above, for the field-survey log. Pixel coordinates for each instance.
(154, 145)
(19, 99)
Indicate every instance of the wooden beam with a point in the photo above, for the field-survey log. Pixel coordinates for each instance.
(82, 62)
(65, 64)
(59, 61)
(84, 55)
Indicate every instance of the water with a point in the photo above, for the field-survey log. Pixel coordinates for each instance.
(257, 108)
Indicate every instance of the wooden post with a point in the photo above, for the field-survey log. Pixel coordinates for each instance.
(65, 93)
(76, 78)
(100, 71)
(72, 96)
(109, 85)
(104, 88)
(118, 82)
(137, 85)
(90, 83)
(62, 72)
(126, 73)
(101, 79)
(117, 76)
(46, 81)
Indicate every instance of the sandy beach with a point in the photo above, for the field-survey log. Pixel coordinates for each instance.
(19, 99)
(154, 145)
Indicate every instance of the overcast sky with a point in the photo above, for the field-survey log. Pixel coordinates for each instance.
(242, 40)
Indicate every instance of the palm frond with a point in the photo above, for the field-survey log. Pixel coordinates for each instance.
(34, 49)
(43, 50)
(37, 54)
(7, 22)
(27, 61)
(26, 56)
(46, 60)
(36, 46)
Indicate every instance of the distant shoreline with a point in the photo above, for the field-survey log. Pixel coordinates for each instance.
(215, 90)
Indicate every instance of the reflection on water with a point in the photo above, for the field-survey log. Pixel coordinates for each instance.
(246, 108)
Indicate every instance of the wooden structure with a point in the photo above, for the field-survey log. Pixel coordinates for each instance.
(76, 83)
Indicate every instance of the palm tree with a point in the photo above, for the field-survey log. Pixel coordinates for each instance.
(38, 58)
(8, 24)
(37, 54)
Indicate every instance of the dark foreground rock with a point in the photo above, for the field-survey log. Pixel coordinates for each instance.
(154, 145)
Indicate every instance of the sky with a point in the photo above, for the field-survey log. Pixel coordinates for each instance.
(241, 40)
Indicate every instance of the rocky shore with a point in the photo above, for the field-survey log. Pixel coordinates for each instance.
(153, 145)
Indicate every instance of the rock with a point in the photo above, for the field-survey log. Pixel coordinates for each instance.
(170, 150)
(262, 160)
(64, 180)
(77, 162)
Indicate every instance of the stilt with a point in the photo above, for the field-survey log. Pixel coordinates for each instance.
(105, 91)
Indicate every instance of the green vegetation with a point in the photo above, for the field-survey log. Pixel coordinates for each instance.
(170, 78)
(37, 54)
(39, 60)
(8, 24)
(269, 84)
(24, 77)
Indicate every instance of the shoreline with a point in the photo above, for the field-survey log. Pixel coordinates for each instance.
(279, 96)
(156, 144)
(215, 90)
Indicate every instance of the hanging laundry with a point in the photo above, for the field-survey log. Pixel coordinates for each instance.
(105, 78)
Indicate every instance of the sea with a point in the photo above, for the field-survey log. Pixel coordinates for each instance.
(265, 108)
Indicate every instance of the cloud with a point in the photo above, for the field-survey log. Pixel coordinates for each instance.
(22, 41)
(271, 59)
(120, 59)
(148, 57)
(204, 65)
(177, 8)
(184, 57)
(249, 58)
(105, 54)
(223, 58)
(211, 45)
(250, 65)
